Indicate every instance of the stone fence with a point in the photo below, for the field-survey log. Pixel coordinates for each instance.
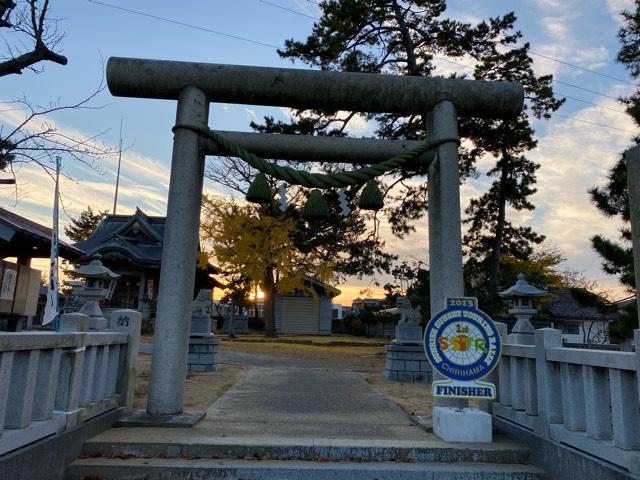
(52, 382)
(586, 399)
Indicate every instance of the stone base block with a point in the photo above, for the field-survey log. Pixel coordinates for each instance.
(468, 425)
(203, 354)
(407, 363)
(200, 326)
(98, 323)
(141, 418)
(74, 322)
(408, 333)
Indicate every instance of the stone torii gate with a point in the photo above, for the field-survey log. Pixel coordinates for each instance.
(196, 85)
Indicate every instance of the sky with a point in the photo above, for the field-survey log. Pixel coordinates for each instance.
(574, 153)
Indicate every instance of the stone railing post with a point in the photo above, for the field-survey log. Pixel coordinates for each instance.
(548, 380)
(128, 321)
(6, 365)
(637, 344)
(71, 368)
(74, 323)
(494, 377)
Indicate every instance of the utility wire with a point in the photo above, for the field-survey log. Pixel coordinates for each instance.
(183, 24)
(591, 123)
(585, 89)
(537, 54)
(554, 80)
(162, 19)
(581, 68)
(237, 37)
(592, 103)
(287, 9)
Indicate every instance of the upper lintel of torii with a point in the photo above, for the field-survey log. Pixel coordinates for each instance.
(313, 89)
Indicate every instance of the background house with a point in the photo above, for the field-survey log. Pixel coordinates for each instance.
(578, 322)
(304, 314)
(24, 239)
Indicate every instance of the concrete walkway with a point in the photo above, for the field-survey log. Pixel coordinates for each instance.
(295, 402)
(285, 398)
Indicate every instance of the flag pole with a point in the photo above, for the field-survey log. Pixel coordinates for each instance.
(52, 308)
(54, 248)
(115, 199)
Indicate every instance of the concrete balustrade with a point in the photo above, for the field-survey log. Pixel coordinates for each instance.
(587, 399)
(52, 382)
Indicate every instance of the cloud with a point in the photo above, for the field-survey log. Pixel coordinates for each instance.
(563, 26)
(250, 113)
(574, 157)
(349, 291)
(144, 181)
(615, 7)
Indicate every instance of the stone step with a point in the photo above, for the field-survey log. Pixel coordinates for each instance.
(208, 469)
(175, 443)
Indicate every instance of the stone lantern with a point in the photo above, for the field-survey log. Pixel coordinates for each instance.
(522, 296)
(98, 282)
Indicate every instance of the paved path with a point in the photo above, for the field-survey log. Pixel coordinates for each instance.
(302, 402)
(285, 398)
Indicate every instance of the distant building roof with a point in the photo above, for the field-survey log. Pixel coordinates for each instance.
(328, 289)
(564, 306)
(21, 237)
(136, 237)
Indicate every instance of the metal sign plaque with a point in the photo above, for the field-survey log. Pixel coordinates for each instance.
(463, 344)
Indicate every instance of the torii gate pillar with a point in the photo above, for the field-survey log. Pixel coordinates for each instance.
(445, 236)
(179, 252)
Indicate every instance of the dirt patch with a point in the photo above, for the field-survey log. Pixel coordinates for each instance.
(413, 398)
(320, 340)
(201, 390)
(355, 356)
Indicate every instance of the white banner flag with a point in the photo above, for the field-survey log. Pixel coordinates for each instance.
(51, 309)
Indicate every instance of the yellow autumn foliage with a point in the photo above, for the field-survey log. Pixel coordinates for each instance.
(245, 243)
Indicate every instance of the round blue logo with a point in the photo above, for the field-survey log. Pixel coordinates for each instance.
(461, 341)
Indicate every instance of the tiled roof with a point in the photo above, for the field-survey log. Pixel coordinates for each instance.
(563, 306)
(30, 237)
(138, 237)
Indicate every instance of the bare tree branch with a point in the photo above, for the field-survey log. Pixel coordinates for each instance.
(29, 20)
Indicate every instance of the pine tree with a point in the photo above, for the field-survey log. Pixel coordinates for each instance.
(82, 227)
(404, 38)
(612, 199)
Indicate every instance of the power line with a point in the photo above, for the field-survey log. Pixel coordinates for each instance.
(256, 42)
(175, 22)
(581, 68)
(585, 89)
(236, 37)
(592, 123)
(537, 54)
(287, 9)
(554, 80)
(592, 103)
